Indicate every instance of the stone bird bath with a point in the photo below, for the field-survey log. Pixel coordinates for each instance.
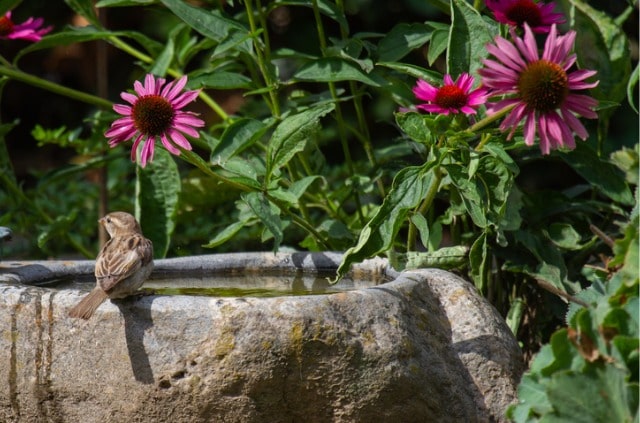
(422, 346)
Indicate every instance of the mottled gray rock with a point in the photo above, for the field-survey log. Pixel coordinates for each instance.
(423, 347)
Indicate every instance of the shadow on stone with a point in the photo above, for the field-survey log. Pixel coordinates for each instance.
(137, 321)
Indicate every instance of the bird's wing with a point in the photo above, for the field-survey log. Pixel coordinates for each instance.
(120, 258)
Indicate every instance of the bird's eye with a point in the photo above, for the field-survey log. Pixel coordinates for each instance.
(108, 220)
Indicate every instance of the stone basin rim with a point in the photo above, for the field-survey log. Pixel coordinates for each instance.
(28, 274)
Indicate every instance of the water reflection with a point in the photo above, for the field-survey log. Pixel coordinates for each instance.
(235, 285)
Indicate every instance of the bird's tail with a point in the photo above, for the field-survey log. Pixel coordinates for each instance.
(89, 304)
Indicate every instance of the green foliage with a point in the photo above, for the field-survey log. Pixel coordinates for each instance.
(589, 370)
(313, 141)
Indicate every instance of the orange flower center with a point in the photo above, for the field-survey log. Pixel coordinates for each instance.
(524, 11)
(451, 96)
(543, 85)
(6, 26)
(152, 114)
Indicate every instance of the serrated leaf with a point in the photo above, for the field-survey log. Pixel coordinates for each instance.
(468, 36)
(414, 125)
(157, 192)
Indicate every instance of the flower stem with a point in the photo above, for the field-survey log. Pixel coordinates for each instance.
(338, 113)
(35, 81)
(263, 55)
(490, 119)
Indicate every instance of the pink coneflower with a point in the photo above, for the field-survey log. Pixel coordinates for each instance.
(155, 113)
(28, 30)
(452, 97)
(539, 16)
(540, 89)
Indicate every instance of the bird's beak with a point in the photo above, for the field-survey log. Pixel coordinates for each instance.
(101, 221)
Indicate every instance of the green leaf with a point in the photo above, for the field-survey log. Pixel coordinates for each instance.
(334, 69)
(122, 3)
(468, 36)
(631, 88)
(6, 5)
(417, 72)
(444, 258)
(628, 160)
(211, 24)
(299, 187)
(409, 188)
(533, 398)
(157, 192)
(438, 43)
(164, 59)
(514, 315)
(601, 44)
(88, 33)
(564, 236)
(470, 193)
(85, 9)
(220, 80)
(415, 126)
(268, 214)
(291, 135)
(238, 136)
(603, 175)
(226, 234)
(402, 40)
(478, 262)
(420, 222)
(550, 265)
(597, 397)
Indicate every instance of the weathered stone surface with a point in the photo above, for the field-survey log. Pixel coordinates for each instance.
(423, 347)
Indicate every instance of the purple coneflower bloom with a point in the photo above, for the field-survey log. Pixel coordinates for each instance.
(155, 113)
(541, 90)
(539, 16)
(452, 97)
(29, 30)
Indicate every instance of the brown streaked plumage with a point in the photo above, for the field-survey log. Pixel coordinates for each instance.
(122, 265)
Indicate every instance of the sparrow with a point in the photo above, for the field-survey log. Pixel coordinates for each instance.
(122, 266)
